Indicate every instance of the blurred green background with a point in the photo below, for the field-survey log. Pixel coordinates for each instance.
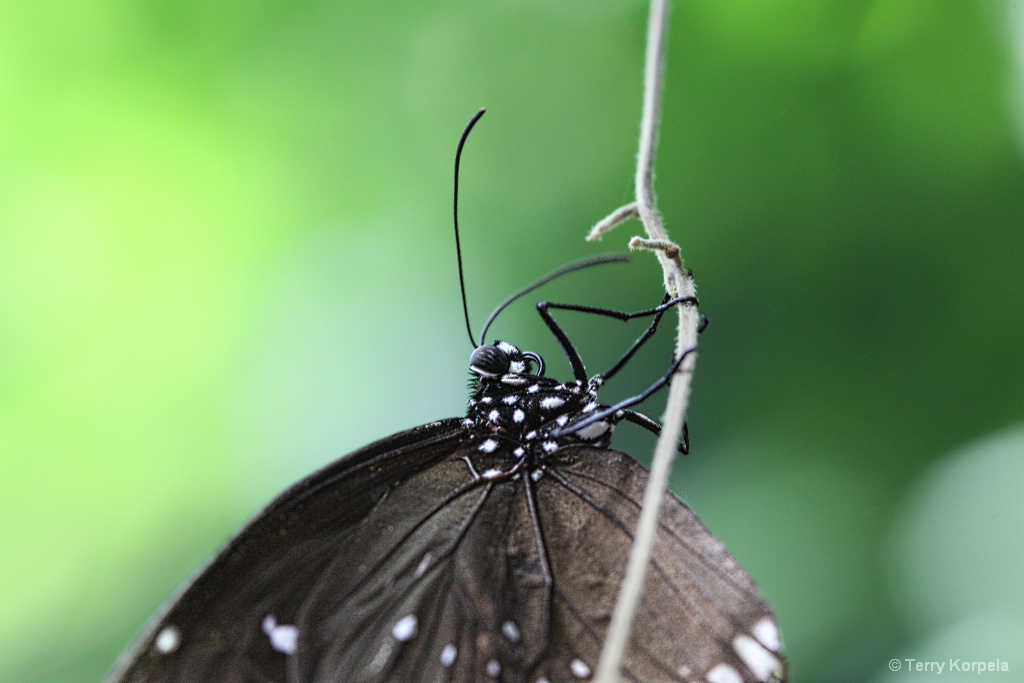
(226, 259)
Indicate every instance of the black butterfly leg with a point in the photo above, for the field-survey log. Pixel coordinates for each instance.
(570, 350)
(610, 412)
(654, 427)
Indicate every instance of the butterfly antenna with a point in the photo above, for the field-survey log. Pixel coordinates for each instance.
(578, 265)
(458, 245)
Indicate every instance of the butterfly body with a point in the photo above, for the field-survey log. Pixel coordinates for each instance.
(488, 548)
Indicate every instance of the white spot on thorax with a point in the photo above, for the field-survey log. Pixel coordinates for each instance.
(552, 402)
(448, 654)
(493, 668)
(511, 631)
(507, 348)
(579, 668)
(759, 660)
(405, 628)
(514, 380)
(517, 366)
(768, 633)
(723, 673)
(283, 637)
(168, 640)
(489, 446)
(593, 430)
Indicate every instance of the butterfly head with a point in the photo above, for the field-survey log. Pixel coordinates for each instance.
(501, 361)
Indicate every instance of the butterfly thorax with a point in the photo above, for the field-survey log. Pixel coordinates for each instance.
(515, 412)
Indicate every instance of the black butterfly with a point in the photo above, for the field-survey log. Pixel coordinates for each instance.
(484, 548)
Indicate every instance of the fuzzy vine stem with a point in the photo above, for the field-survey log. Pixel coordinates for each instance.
(678, 283)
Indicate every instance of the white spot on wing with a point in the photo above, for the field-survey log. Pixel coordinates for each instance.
(518, 416)
(519, 452)
(493, 668)
(561, 420)
(534, 388)
(510, 399)
(405, 628)
(590, 407)
(283, 637)
(381, 657)
(168, 640)
(579, 668)
(493, 416)
(537, 474)
(511, 631)
(768, 633)
(723, 673)
(492, 473)
(760, 661)
(489, 446)
(448, 654)
(421, 568)
(549, 446)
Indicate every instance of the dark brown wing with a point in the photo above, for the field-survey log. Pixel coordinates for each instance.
(701, 617)
(217, 628)
(402, 563)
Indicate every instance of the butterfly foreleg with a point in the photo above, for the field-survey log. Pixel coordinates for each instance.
(654, 427)
(619, 410)
(570, 349)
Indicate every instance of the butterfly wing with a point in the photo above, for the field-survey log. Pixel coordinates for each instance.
(235, 620)
(701, 617)
(401, 563)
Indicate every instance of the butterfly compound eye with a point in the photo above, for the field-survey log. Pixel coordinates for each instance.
(489, 361)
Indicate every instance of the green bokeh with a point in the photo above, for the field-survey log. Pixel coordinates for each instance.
(225, 259)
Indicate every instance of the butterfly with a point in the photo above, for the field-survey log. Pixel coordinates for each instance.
(483, 548)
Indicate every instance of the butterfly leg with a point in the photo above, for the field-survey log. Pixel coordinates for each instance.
(570, 349)
(611, 411)
(654, 427)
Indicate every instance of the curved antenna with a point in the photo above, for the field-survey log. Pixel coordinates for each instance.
(578, 265)
(455, 215)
